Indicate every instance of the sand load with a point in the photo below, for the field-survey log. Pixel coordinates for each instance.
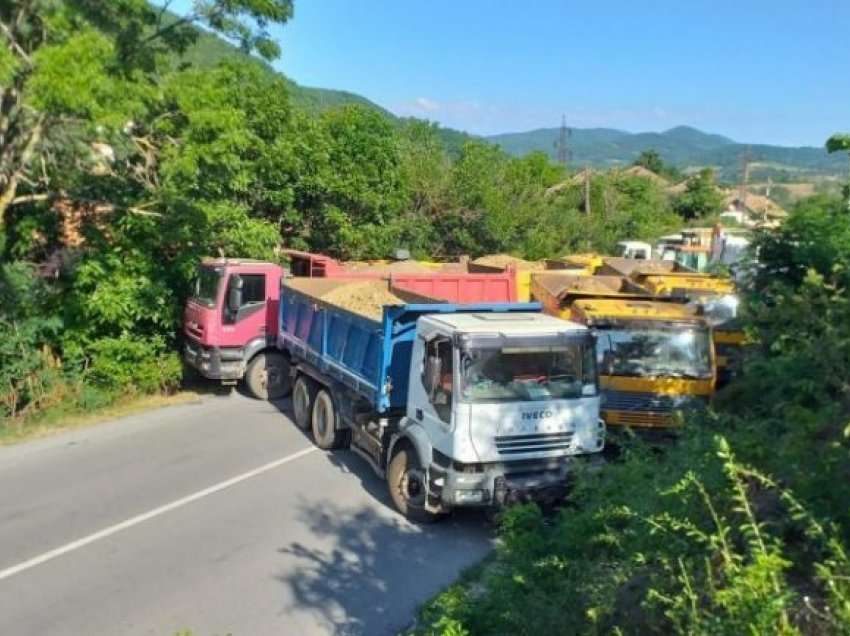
(504, 260)
(364, 297)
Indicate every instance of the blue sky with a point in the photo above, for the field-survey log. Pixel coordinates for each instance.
(760, 72)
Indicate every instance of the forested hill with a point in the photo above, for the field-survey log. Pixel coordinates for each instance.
(210, 49)
(683, 146)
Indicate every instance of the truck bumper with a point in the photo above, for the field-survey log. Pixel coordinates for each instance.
(501, 484)
(215, 363)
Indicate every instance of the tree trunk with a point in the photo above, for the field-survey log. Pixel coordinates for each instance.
(10, 190)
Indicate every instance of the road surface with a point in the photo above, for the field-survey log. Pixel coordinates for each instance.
(218, 517)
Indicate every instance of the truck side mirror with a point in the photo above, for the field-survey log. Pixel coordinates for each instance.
(234, 294)
(432, 375)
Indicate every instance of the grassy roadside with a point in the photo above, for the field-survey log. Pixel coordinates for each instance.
(58, 419)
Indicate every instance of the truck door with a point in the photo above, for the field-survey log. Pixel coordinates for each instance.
(244, 311)
(438, 381)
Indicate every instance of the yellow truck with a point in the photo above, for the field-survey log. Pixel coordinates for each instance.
(714, 296)
(584, 263)
(655, 357)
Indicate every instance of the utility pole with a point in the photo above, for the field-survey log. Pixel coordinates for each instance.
(563, 152)
(587, 190)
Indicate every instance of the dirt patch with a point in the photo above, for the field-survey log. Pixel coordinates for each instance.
(504, 260)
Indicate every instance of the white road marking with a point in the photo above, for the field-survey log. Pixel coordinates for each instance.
(146, 516)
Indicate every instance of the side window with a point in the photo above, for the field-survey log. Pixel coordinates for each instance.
(437, 376)
(253, 288)
(245, 299)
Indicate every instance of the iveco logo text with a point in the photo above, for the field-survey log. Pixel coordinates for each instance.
(537, 415)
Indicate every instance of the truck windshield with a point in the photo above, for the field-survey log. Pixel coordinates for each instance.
(205, 290)
(655, 352)
(525, 374)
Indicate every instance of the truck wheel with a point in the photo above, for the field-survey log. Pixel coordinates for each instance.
(326, 435)
(303, 397)
(407, 482)
(267, 376)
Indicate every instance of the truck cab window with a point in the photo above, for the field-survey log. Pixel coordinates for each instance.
(249, 300)
(439, 372)
(253, 288)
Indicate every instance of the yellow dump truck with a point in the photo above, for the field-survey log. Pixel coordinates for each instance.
(655, 357)
(714, 296)
(584, 263)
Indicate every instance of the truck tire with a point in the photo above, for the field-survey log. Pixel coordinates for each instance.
(407, 482)
(267, 376)
(303, 398)
(326, 431)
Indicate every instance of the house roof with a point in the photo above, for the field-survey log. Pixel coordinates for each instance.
(756, 203)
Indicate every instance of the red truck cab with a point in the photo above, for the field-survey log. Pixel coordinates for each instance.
(230, 325)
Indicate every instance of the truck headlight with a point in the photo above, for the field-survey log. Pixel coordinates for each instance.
(470, 496)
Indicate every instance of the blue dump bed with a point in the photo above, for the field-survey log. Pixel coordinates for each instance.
(370, 356)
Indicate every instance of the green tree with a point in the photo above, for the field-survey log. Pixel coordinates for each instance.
(701, 197)
(74, 72)
(841, 143)
(651, 160)
(352, 195)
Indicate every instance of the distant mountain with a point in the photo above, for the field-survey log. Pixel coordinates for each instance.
(683, 146)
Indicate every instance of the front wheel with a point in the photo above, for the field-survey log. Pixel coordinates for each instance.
(267, 376)
(326, 432)
(408, 486)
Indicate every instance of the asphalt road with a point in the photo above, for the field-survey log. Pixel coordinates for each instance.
(218, 517)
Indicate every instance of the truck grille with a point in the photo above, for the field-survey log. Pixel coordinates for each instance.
(626, 401)
(639, 419)
(536, 443)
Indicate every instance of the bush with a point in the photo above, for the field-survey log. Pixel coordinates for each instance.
(131, 364)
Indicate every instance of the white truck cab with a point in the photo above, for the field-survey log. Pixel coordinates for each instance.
(499, 406)
(635, 249)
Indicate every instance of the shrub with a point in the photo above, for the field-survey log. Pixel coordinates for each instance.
(134, 364)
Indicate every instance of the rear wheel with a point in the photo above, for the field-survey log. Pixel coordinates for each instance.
(303, 397)
(267, 376)
(326, 433)
(408, 486)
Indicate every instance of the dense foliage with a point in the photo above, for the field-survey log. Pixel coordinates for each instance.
(743, 526)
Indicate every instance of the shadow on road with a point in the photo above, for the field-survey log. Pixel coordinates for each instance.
(374, 568)
(377, 568)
